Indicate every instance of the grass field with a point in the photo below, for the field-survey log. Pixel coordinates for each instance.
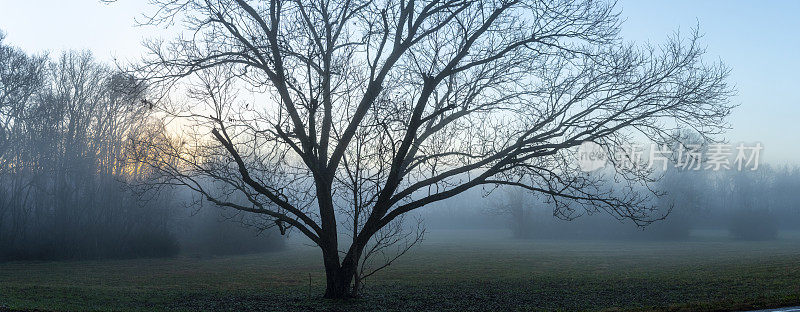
(447, 272)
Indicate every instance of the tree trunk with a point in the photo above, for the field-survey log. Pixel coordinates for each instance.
(340, 277)
(339, 280)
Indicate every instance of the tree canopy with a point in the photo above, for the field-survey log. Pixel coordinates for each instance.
(337, 117)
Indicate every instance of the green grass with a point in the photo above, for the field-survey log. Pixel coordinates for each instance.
(448, 272)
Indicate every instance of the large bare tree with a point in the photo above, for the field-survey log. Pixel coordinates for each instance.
(337, 117)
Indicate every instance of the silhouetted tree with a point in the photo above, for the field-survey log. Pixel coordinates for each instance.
(372, 109)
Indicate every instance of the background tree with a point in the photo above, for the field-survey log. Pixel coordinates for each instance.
(67, 169)
(21, 76)
(686, 187)
(519, 210)
(372, 109)
(747, 202)
(67, 129)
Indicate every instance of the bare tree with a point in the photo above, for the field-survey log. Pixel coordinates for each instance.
(20, 77)
(338, 117)
(67, 126)
(519, 209)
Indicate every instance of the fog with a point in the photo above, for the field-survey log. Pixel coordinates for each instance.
(744, 205)
(72, 187)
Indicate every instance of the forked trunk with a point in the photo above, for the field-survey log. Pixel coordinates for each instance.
(340, 277)
(339, 280)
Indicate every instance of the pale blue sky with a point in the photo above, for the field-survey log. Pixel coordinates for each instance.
(758, 39)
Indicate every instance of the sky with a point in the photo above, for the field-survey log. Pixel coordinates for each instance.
(758, 40)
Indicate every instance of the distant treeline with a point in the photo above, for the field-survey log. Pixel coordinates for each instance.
(67, 168)
(749, 205)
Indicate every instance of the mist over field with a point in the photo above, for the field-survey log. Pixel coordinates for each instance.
(440, 155)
